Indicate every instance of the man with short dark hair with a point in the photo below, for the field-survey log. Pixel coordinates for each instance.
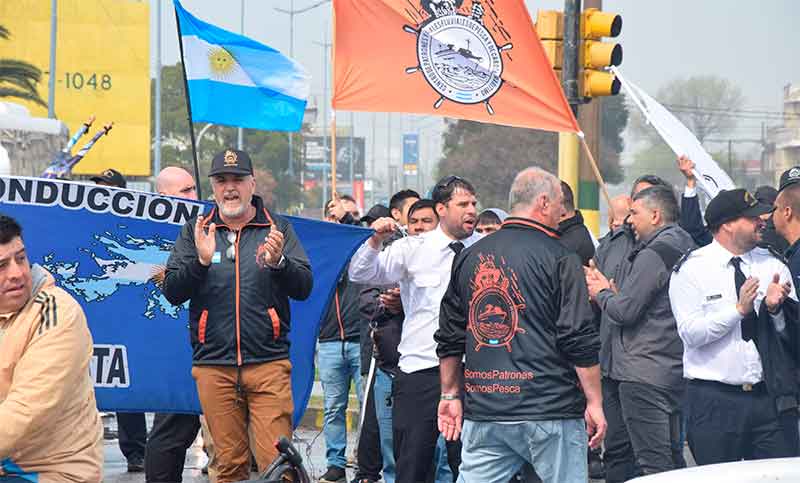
(517, 312)
(400, 203)
(574, 234)
(50, 429)
(422, 217)
(488, 222)
(421, 265)
(642, 394)
(238, 267)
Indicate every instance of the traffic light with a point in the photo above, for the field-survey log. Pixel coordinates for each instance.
(596, 55)
(550, 29)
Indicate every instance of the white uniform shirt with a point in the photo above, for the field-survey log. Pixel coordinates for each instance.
(703, 298)
(421, 265)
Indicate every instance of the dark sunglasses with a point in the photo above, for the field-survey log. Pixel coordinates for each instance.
(446, 182)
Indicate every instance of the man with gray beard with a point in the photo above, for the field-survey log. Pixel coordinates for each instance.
(238, 266)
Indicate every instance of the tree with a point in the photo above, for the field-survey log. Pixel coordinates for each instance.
(18, 79)
(490, 155)
(269, 150)
(702, 103)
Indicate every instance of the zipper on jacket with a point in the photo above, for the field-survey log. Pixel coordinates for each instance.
(339, 314)
(238, 330)
(276, 323)
(201, 326)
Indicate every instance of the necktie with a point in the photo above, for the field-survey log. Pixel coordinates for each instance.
(456, 246)
(748, 323)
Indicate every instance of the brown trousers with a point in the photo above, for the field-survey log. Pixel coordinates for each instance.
(263, 408)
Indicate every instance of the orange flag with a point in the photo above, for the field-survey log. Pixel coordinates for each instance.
(468, 59)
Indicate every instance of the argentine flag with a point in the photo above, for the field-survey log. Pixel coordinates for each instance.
(236, 81)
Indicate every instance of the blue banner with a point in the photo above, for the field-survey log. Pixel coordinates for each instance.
(103, 244)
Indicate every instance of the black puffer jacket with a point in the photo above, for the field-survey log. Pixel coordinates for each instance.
(238, 309)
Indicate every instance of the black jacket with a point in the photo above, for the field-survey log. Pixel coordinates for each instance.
(780, 354)
(238, 309)
(385, 328)
(576, 237)
(342, 320)
(518, 306)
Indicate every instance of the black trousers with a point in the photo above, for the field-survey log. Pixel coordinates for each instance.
(171, 436)
(414, 427)
(368, 453)
(729, 424)
(644, 423)
(132, 430)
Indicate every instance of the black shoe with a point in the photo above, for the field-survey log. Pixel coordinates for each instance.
(334, 475)
(135, 465)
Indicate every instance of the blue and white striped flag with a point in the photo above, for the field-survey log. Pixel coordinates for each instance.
(236, 81)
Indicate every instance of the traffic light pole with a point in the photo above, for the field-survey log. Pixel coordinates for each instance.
(568, 145)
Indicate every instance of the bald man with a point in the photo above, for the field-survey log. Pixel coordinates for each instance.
(172, 434)
(620, 206)
(174, 181)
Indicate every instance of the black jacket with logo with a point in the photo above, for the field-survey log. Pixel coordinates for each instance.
(518, 306)
(238, 309)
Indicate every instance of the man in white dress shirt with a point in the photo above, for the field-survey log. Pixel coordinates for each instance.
(421, 265)
(719, 296)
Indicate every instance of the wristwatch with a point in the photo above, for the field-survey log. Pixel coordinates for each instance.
(449, 397)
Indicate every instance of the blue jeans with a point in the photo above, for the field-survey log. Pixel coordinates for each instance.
(443, 472)
(382, 392)
(494, 452)
(339, 364)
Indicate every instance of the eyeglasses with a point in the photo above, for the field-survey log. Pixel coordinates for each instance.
(231, 251)
(446, 182)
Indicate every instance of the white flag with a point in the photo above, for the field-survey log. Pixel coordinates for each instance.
(711, 179)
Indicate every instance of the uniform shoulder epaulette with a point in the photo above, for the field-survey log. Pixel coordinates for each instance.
(777, 254)
(682, 259)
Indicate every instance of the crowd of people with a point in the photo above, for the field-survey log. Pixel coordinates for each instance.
(483, 346)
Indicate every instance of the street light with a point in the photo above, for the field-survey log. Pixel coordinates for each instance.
(200, 135)
(291, 12)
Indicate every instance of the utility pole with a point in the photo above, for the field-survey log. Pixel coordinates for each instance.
(51, 98)
(239, 137)
(157, 154)
(389, 170)
(352, 154)
(291, 13)
(568, 148)
(372, 176)
(325, 46)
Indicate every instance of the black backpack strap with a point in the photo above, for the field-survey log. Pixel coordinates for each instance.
(669, 255)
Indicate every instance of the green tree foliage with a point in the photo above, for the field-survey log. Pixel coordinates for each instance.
(18, 79)
(490, 155)
(269, 150)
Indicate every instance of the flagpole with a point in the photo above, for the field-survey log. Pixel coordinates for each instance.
(333, 152)
(593, 163)
(188, 107)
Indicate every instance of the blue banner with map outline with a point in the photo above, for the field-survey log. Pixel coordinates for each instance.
(103, 244)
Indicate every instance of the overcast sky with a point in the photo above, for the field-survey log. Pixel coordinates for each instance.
(750, 42)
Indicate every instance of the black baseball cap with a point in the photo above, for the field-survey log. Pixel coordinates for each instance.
(789, 177)
(231, 161)
(732, 204)
(377, 211)
(111, 177)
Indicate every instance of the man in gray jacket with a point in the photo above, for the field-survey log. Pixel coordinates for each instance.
(643, 391)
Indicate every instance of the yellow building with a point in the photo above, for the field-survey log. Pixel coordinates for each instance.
(102, 68)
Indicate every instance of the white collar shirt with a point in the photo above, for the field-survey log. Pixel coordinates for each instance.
(421, 266)
(703, 298)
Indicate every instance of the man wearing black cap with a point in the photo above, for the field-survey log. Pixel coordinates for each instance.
(110, 177)
(238, 267)
(729, 298)
(787, 218)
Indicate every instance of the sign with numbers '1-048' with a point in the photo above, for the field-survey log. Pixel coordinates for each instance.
(102, 69)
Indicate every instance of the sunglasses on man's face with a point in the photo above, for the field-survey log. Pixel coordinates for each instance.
(231, 251)
(445, 183)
